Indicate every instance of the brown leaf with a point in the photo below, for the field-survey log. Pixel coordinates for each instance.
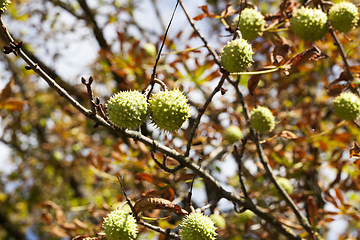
(69, 226)
(49, 204)
(330, 198)
(199, 17)
(144, 177)
(150, 193)
(228, 11)
(311, 54)
(60, 217)
(288, 135)
(13, 104)
(323, 145)
(206, 13)
(7, 91)
(80, 224)
(150, 203)
(149, 178)
(279, 54)
(339, 196)
(56, 231)
(288, 7)
(344, 76)
(355, 150)
(184, 177)
(335, 90)
(312, 209)
(204, 8)
(342, 137)
(169, 194)
(46, 217)
(355, 69)
(253, 82)
(357, 163)
(84, 237)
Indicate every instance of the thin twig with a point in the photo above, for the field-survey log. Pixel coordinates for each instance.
(160, 230)
(202, 111)
(238, 157)
(269, 172)
(163, 164)
(210, 49)
(152, 79)
(133, 210)
(90, 92)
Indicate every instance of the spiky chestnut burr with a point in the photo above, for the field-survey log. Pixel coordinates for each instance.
(347, 106)
(169, 110)
(309, 24)
(120, 225)
(233, 134)
(236, 55)
(344, 16)
(197, 226)
(252, 24)
(245, 216)
(4, 4)
(262, 119)
(127, 109)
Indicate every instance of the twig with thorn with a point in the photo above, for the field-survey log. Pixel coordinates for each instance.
(133, 210)
(90, 93)
(163, 164)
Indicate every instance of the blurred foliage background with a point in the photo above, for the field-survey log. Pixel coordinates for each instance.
(59, 179)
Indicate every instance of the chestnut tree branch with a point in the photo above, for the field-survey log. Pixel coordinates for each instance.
(301, 218)
(182, 159)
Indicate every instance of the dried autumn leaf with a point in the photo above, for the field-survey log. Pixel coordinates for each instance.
(228, 11)
(335, 90)
(149, 178)
(184, 177)
(330, 198)
(60, 216)
(49, 204)
(312, 209)
(150, 203)
(311, 54)
(7, 91)
(339, 196)
(69, 226)
(357, 163)
(85, 237)
(206, 13)
(253, 82)
(80, 224)
(46, 217)
(355, 150)
(288, 7)
(13, 104)
(342, 137)
(169, 194)
(288, 135)
(279, 54)
(355, 69)
(56, 231)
